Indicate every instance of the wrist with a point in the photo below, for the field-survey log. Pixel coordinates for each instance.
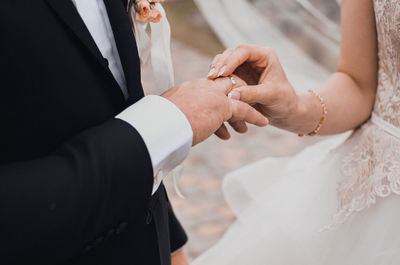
(186, 113)
(307, 114)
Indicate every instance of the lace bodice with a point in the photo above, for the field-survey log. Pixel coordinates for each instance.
(372, 169)
(388, 26)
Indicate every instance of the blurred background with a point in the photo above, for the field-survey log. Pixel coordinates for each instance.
(306, 36)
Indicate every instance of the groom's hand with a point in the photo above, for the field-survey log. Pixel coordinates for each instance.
(207, 107)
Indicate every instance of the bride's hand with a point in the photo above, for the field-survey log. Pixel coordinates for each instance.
(268, 87)
(236, 122)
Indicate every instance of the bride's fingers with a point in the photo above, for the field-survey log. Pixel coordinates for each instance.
(239, 56)
(218, 68)
(220, 64)
(244, 112)
(259, 57)
(223, 133)
(212, 70)
(229, 61)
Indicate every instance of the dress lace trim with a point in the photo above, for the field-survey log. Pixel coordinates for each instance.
(387, 105)
(371, 171)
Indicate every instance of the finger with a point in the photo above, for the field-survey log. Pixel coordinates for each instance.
(226, 84)
(239, 126)
(218, 67)
(212, 69)
(223, 133)
(244, 112)
(238, 81)
(260, 56)
(262, 94)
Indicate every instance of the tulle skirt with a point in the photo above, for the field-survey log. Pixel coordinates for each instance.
(283, 206)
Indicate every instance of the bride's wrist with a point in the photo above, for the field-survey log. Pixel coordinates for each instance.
(308, 113)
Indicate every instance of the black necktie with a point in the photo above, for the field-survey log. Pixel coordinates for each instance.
(122, 28)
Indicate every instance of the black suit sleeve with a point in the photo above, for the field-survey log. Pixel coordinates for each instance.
(52, 206)
(178, 237)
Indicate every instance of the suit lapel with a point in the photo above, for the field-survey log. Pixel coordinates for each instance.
(68, 13)
(124, 37)
(66, 10)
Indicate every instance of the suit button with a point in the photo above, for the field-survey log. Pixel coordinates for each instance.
(106, 61)
(122, 226)
(87, 249)
(149, 217)
(98, 242)
(110, 234)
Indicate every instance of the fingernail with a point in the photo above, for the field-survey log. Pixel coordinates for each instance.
(234, 95)
(222, 71)
(212, 72)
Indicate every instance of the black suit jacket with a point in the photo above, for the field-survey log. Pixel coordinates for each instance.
(75, 183)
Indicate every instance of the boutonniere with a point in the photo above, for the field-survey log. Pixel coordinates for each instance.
(145, 10)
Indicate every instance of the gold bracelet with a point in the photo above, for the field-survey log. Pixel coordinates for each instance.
(323, 115)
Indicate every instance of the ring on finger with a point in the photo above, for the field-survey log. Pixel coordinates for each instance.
(234, 82)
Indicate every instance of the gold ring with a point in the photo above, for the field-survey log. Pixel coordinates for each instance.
(234, 83)
(232, 80)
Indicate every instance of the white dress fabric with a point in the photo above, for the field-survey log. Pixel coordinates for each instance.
(335, 203)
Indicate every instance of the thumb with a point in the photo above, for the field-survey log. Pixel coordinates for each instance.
(251, 94)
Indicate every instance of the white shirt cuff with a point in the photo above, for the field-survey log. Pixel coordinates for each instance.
(165, 130)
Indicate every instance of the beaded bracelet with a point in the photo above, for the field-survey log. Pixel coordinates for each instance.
(323, 116)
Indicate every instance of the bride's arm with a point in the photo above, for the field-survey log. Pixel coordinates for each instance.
(349, 93)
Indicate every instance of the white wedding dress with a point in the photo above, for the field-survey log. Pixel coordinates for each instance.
(337, 202)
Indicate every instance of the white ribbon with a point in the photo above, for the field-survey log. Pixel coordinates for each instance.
(158, 47)
(385, 126)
